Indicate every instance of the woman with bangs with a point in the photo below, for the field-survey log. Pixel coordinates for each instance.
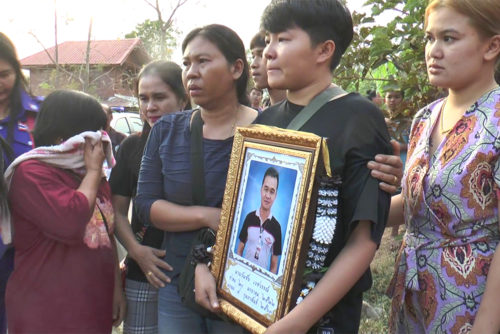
(160, 91)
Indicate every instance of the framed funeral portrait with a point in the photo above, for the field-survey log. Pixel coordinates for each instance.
(265, 223)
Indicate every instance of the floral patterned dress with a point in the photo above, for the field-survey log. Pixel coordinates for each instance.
(451, 217)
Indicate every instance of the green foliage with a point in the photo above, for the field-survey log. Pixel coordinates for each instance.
(388, 48)
(158, 38)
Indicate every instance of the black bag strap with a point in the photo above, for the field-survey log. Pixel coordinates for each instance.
(197, 169)
(314, 105)
(105, 221)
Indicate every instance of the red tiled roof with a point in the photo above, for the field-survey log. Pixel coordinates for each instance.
(113, 52)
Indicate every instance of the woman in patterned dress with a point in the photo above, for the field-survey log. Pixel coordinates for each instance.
(446, 270)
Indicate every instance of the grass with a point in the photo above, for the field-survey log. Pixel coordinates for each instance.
(382, 269)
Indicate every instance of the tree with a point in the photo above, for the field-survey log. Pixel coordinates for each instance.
(390, 52)
(69, 77)
(158, 36)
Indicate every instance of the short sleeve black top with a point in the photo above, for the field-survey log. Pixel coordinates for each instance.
(356, 132)
(123, 181)
(270, 225)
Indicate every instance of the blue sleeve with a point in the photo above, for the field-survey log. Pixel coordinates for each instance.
(150, 183)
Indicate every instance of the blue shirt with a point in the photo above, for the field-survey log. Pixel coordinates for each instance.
(166, 174)
(22, 141)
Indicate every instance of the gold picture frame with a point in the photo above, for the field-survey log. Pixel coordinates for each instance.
(250, 293)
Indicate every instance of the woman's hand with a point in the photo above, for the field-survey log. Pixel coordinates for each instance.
(210, 217)
(93, 155)
(119, 305)
(119, 301)
(151, 263)
(205, 288)
(388, 169)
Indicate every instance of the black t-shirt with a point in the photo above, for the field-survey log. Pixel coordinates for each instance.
(123, 181)
(261, 241)
(356, 132)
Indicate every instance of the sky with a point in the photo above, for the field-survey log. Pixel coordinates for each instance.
(112, 19)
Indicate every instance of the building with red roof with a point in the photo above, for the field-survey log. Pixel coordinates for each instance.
(108, 68)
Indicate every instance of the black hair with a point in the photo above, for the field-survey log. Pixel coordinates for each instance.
(170, 73)
(371, 94)
(272, 172)
(258, 40)
(8, 53)
(396, 90)
(231, 46)
(322, 20)
(66, 113)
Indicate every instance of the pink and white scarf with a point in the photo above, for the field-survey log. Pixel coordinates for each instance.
(67, 155)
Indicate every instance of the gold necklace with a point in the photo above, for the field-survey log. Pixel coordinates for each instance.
(441, 116)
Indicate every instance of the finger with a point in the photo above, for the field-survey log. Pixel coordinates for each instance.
(390, 179)
(88, 145)
(116, 316)
(396, 147)
(201, 298)
(214, 301)
(388, 188)
(392, 160)
(157, 278)
(158, 274)
(155, 282)
(381, 168)
(159, 252)
(123, 311)
(163, 265)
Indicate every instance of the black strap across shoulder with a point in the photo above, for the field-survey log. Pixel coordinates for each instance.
(197, 168)
(314, 105)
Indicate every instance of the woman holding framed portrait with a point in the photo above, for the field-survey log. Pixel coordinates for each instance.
(215, 74)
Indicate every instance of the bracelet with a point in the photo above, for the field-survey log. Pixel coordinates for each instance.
(201, 254)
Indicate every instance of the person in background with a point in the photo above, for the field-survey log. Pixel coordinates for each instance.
(258, 71)
(372, 95)
(447, 273)
(116, 136)
(18, 110)
(256, 99)
(397, 121)
(399, 125)
(66, 277)
(160, 91)
(215, 74)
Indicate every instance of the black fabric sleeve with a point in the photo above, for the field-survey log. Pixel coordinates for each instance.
(123, 180)
(366, 136)
(244, 230)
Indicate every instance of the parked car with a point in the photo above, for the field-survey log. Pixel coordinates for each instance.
(126, 122)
